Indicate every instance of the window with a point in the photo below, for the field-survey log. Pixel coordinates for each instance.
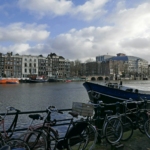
(25, 70)
(30, 65)
(25, 64)
(25, 59)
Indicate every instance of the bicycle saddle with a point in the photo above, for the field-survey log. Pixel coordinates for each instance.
(36, 117)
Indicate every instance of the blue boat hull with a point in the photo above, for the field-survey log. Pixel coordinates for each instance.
(97, 92)
(110, 95)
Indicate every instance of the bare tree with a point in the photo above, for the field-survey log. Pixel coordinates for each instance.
(75, 67)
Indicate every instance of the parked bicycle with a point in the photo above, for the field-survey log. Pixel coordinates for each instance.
(5, 137)
(132, 118)
(76, 136)
(108, 125)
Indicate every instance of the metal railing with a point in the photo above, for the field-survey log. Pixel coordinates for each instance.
(35, 112)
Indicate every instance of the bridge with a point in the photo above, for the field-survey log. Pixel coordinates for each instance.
(98, 78)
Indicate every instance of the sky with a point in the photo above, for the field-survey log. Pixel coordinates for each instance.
(75, 29)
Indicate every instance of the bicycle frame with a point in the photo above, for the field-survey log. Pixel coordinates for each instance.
(104, 121)
(13, 124)
(135, 111)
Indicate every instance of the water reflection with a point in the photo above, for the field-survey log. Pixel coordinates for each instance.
(38, 96)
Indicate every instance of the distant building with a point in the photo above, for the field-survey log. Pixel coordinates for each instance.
(67, 68)
(42, 71)
(60, 67)
(27, 65)
(129, 65)
(103, 58)
(10, 65)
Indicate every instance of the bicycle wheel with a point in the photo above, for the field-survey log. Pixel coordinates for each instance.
(51, 136)
(113, 130)
(127, 128)
(78, 136)
(35, 139)
(92, 137)
(147, 128)
(143, 117)
(17, 144)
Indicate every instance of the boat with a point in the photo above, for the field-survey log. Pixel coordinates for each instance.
(53, 80)
(68, 81)
(37, 79)
(112, 92)
(9, 81)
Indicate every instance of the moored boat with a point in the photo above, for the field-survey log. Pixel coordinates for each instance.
(36, 79)
(112, 92)
(68, 81)
(9, 81)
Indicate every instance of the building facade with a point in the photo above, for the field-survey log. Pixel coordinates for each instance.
(103, 58)
(23, 66)
(127, 66)
(10, 65)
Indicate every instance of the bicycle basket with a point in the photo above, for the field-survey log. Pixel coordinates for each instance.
(83, 109)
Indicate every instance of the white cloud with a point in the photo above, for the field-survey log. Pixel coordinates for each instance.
(17, 48)
(128, 32)
(20, 32)
(129, 35)
(46, 7)
(91, 9)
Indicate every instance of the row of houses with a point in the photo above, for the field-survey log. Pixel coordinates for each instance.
(21, 66)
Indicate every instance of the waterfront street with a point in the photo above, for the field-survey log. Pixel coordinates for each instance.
(31, 97)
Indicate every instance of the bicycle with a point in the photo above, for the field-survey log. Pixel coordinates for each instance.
(11, 129)
(147, 124)
(5, 139)
(132, 118)
(76, 135)
(35, 135)
(108, 126)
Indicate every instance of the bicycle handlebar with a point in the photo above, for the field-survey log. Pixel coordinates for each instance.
(10, 108)
(54, 109)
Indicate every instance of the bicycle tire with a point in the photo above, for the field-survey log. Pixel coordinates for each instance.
(17, 144)
(92, 137)
(35, 139)
(51, 136)
(113, 130)
(77, 137)
(143, 117)
(127, 128)
(147, 128)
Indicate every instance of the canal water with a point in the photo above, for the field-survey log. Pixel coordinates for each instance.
(37, 96)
